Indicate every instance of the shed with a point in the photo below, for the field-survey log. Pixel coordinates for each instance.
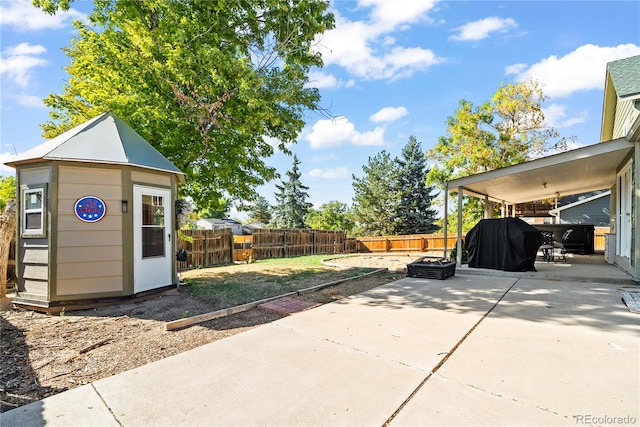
(95, 217)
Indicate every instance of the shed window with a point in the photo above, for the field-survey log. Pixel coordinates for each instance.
(33, 211)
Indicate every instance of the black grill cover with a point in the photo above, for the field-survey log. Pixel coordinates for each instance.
(507, 244)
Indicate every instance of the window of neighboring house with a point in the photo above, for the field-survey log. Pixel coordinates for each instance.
(33, 211)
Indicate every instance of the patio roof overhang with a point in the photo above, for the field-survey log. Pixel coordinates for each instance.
(572, 172)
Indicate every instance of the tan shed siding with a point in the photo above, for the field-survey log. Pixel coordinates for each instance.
(33, 258)
(80, 286)
(150, 178)
(89, 255)
(35, 288)
(34, 176)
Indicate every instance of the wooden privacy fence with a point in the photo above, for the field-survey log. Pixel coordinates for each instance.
(216, 247)
(280, 243)
(206, 247)
(408, 243)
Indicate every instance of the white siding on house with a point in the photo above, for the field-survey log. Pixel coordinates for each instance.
(625, 115)
(89, 255)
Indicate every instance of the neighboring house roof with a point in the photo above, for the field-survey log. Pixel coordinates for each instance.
(103, 139)
(218, 221)
(558, 210)
(256, 225)
(625, 74)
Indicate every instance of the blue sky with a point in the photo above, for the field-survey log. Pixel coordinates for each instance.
(392, 69)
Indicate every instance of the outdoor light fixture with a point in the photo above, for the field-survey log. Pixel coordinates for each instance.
(125, 206)
(544, 184)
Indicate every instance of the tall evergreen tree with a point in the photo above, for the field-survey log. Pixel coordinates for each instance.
(259, 211)
(291, 198)
(414, 214)
(375, 199)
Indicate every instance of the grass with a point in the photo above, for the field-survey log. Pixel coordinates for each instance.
(232, 285)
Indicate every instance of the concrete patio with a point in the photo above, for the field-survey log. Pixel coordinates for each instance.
(480, 348)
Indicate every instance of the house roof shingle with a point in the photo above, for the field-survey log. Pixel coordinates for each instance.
(625, 74)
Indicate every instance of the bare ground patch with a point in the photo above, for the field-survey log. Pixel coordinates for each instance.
(45, 354)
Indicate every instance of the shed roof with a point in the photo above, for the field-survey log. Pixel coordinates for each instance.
(625, 74)
(103, 139)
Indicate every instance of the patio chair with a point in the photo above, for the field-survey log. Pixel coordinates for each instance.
(551, 248)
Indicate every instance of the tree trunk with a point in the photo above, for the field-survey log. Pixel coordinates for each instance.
(7, 233)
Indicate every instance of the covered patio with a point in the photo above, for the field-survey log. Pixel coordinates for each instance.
(576, 171)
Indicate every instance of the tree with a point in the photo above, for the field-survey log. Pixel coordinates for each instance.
(207, 83)
(414, 214)
(507, 130)
(259, 211)
(291, 198)
(332, 215)
(7, 190)
(375, 200)
(7, 233)
(218, 210)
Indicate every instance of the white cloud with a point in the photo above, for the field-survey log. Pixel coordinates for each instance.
(389, 114)
(330, 173)
(368, 50)
(17, 62)
(6, 170)
(581, 70)
(387, 14)
(322, 80)
(478, 30)
(556, 116)
(21, 15)
(29, 101)
(334, 133)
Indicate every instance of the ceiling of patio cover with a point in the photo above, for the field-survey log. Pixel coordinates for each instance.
(577, 171)
(507, 244)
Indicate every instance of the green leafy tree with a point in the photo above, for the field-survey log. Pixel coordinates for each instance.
(259, 211)
(332, 215)
(207, 83)
(218, 210)
(7, 190)
(414, 214)
(291, 199)
(507, 130)
(375, 200)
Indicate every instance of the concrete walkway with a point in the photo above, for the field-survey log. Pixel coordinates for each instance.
(469, 350)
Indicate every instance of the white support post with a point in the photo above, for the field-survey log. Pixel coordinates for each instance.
(459, 240)
(446, 222)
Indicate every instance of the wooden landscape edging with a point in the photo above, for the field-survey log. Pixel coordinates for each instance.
(181, 323)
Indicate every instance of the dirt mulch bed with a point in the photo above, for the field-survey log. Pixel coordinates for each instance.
(46, 354)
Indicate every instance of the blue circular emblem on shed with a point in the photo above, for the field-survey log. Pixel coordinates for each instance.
(90, 209)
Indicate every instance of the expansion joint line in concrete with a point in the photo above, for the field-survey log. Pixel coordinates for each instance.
(448, 355)
(105, 405)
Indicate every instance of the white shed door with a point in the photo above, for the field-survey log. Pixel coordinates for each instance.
(151, 238)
